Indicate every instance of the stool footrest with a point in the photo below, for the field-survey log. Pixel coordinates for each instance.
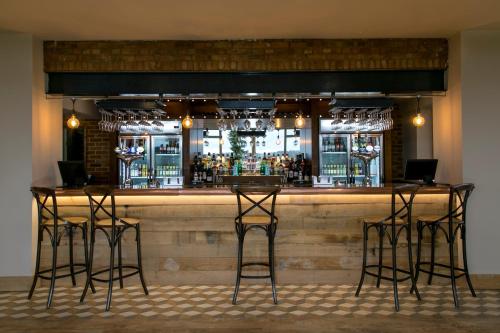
(385, 277)
(255, 264)
(255, 276)
(106, 270)
(62, 275)
(446, 276)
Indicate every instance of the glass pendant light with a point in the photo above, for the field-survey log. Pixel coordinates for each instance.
(418, 120)
(187, 122)
(300, 121)
(73, 121)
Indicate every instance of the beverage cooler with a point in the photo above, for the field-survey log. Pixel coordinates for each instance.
(162, 160)
(335, 156)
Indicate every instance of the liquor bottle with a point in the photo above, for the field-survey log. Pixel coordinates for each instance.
(337, 145)
(342, 147)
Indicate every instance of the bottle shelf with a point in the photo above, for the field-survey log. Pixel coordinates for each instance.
(334, 152)
(162, 154)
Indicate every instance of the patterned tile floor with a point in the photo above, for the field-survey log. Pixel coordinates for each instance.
(198, 301)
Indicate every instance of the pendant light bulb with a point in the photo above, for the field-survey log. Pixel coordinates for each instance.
(278, 141)
(187, 122)
(73, 121)
(418, 120)
(300, 121)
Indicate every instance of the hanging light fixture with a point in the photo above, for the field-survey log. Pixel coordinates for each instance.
(278, 141)
(73, 121)
(187, 122)
(418, 120)
(300, 121)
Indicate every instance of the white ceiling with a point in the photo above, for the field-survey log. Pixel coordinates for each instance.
(255, 19)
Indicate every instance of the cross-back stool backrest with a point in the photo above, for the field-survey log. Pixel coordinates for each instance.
(244, 193)
(98, 196)
(46, 204)
(457, 202)
(402, 201)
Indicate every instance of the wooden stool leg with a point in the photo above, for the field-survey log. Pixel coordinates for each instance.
(241, 238)
(452, 269)
(271, 234)
(86, 253)
(410, 264)
(54, 270)
(420, 231)
(71, 256)
(466, 267)
(381, 234)
(120, 268)
(37, 265)
(139, 259)
(365, 250)
(394, 268)
(111, 267)
(88, 281)
(433, 230)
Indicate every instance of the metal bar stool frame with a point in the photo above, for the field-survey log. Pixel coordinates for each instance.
(269, 192)
(455, 219)
(45, 213)
(388, 227)
(113, 234)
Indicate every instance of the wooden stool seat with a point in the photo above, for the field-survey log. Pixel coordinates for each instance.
(257, 219)
(436, 219)
(67, 220)
(118, 222)
(381, 219)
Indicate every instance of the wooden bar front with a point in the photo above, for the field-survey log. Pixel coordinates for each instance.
(188, 234)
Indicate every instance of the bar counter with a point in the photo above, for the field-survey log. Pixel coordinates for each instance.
(188, 233)
(285, 190)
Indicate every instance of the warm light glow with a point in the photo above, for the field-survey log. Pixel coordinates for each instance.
(73, 122)
(300, 122)
(221, 141)
(418, 120)
(187, 122)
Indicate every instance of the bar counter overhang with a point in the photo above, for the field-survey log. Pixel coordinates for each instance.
(188, 233)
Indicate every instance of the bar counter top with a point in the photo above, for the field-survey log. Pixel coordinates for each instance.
(226, 190)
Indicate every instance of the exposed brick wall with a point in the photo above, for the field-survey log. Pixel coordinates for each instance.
(99, 156)
(397, 143)
(245, 55)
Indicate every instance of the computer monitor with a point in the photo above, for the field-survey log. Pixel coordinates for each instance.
(73, 173)
(421, 170)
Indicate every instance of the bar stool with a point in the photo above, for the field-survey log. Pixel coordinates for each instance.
(449, 224)
(391, 226)
(50, 222)
(113, 228)
(267, 222)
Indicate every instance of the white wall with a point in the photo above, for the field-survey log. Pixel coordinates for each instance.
(447, 120)
(30, 138)
(16, 70)
(480, 80)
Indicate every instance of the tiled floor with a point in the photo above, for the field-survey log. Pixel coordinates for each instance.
(195, 302)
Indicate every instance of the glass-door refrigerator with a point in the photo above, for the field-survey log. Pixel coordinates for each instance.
(167, 157)
(334, 156)
(139, 168)
(336, 162)
(162, 160)
(366, 143)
